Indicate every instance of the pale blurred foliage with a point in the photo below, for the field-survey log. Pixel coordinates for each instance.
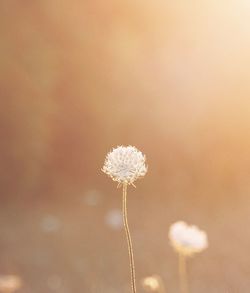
(79, 77)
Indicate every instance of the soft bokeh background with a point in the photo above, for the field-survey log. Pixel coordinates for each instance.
(79, 77)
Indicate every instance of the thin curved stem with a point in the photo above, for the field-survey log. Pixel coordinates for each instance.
(183, 273)
(161, 285)
(129, 241)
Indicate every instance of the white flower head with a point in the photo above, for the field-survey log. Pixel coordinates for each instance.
(150, 284)
(186, 239)
(125, 164)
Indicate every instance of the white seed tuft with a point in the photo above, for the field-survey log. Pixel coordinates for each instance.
(125, 164)
(187, 239)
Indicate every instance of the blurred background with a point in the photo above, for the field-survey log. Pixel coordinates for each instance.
(80, 77)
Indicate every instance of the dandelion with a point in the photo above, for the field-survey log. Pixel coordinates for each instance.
(187, 241)
(126, 164)
(153, 284)
(9, 283)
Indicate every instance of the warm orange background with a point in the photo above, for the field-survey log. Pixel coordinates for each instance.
(79, 77)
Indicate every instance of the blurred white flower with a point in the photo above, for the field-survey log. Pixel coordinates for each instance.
(125, 164)
(150, 283)
(50, 224)
(114, 219)
(186, 239)
(10, 283)
(92, 197)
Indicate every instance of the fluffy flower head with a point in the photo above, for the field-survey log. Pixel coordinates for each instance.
(125, 164)
(150, 284)
(187, 239)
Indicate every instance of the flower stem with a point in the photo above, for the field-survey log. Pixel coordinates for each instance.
(161, 285)
(183, 273)
(129, 241)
